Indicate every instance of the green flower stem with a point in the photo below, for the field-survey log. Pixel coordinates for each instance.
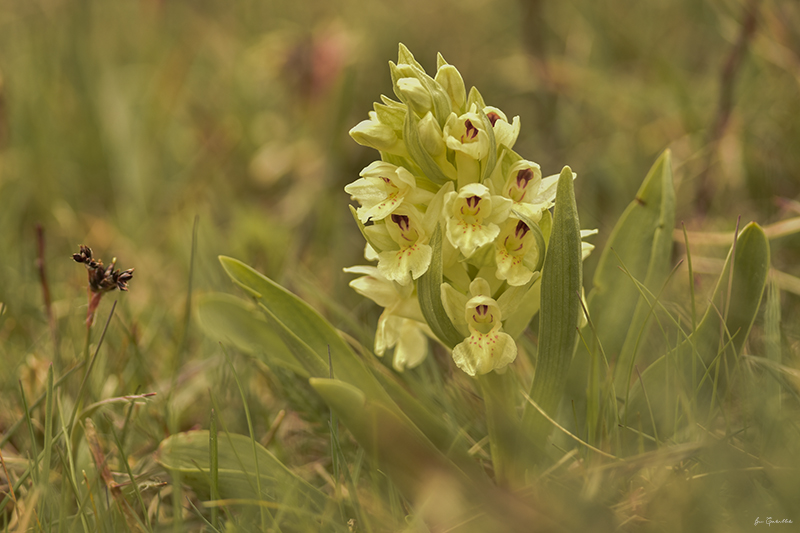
(503, 425)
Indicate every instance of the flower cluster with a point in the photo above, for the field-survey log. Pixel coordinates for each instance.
(448, 166)
(102, 279)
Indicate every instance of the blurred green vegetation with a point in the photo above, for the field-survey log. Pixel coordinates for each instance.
(121, 123)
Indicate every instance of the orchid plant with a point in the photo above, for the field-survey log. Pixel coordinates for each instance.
(447, 165)
(467, 241)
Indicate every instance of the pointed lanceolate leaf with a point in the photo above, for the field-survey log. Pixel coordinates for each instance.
(421, 472)
(427, 420)
(229, 319)
(430, 296)
(690, 370)
(642, 242)
(307, 328)
(560, 305)
(313, 364)
(307, 335)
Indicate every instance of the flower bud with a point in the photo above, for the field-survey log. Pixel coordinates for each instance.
(416, 96)
(450, 79)
(430, 135)
(373, 134)
(391, 113)
(466, 134)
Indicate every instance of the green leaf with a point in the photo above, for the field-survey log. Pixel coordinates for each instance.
(546, 225)
(506, 438)
(772, 343)
(313, 364)
(189, 455)
(715, 342)
(560, 305)
(431, 424)
(44, 477)
(642, 242)
(305, 331)
(418, 469)
(226, 318)
(300, 329)
(430, 296)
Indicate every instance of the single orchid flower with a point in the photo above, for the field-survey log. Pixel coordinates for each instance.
(413, 255)
(529, 192)
(467, 137)
(472, 216)
(517, 253)
(486, 347)
(382, 188)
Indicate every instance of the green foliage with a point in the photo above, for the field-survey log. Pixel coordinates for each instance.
(641, 243)
(295, 322)
(699, 370)
(231, 320)
(562, 278)
(295, 502)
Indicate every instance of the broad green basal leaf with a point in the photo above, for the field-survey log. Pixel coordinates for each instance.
(307, 336)
(300, 326)
(227, 318)
(642, 242)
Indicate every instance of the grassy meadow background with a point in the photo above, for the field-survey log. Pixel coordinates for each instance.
(129, 126)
